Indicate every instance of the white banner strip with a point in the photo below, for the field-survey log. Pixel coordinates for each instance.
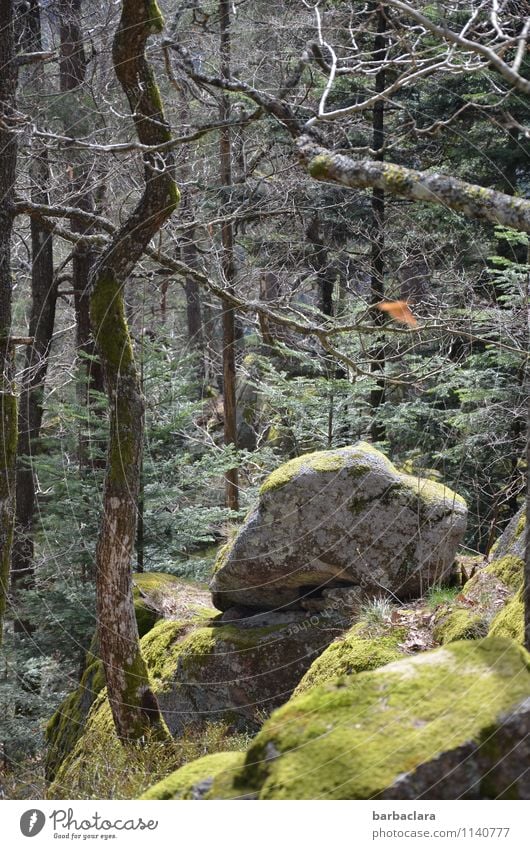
(262, 825)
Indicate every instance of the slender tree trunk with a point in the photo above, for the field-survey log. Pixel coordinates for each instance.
(72, 72)
(377, 239)
(8, 401)
(188, 251)
(41, 324)
(134, 707)
(228, 268)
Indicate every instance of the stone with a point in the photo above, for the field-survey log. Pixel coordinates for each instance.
(355, 651)
(205, 671)
(234, 672)
(452, 723)
(512, 540)
(336, 520)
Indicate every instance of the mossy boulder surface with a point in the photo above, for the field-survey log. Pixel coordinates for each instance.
(509, 622)
(356, 651)
(67, 723)
(205, 671)
(513, 539)
(450, 723)
(233, 672)
(335, 519)
(194, 780)
(460, 624)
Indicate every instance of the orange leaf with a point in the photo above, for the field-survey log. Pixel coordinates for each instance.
(399, 311)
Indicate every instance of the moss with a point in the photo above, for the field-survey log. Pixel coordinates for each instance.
(324, 461)
(350, 655)
(161, 648)
(509, 622)
(396, 178)
(67, 723)
(156, 18)
(320, 461)
(222, 556)
(459, 624)
(149, 583)
(508, 569)
(432, 492)
(353, 737)
(182, 784)
(319, 167)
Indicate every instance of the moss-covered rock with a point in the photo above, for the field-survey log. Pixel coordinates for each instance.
(340, 518)
(194, 780)
(509, 569)
(446, 724)
(232, 671)
(513, 539)
(146, 585)
(509, 622)
(460, 624)
(354, 652)
(214, 672)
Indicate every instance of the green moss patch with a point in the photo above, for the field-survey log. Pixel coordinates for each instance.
(195, 778)
(508, 569)
(509, 622)
(459, 624)
(352, 654)
(352, 738)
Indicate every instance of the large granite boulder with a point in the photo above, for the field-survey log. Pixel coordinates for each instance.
(452, 723)
(334, 526)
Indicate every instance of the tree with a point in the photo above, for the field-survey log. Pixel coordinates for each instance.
(134, 706)
(41, 326)
(8, 401)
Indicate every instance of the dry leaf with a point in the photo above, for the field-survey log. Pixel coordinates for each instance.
(399, 311)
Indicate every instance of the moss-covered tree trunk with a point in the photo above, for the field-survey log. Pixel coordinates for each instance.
(8, 402)
(134, 706)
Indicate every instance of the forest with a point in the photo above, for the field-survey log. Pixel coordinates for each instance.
(264, 399)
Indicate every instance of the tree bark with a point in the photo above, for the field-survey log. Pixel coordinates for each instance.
(8, 401)
(471, 200)
(134, 707)
(228, 269)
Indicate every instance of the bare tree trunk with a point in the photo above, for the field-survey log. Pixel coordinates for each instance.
(72, 71)
(134, 707)
(8, 402)
(228, 268)
(41, 324)
(188, 252)
(377, 239)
